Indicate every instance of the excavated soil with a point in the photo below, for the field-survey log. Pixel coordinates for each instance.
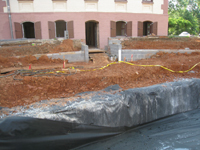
(20, 50)
(27, 60)
(8, 59)
(162, 43)
(33, 89)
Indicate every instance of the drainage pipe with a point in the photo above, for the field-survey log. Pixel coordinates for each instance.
(119, 54)
(10, 19)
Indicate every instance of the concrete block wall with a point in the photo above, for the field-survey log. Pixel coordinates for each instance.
(114, 49)
(146, 53)
(140, 53)
(78, 56)
(76, 42)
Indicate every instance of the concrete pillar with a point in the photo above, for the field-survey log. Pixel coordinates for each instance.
(86, 52)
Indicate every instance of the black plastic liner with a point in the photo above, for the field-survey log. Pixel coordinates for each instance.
(94, 115)
(179, 132)
(22, 133)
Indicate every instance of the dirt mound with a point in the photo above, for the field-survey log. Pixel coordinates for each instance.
(44, 60)
(65, 46)
(27, 60)
(12, 51)
(161, 43)
(99, 58)
(25, 50)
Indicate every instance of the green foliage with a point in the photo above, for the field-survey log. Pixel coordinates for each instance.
(178, 25)
(171, 36)
(184, 15)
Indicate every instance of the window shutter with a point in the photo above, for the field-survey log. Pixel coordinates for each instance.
(140, 28)
(51, 26)
(155, 28)
(38, 33)
(18, 30)
(112, 29)
(70, 28)
(129, 28)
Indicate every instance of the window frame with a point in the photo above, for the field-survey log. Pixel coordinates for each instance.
(25, 0)
(147, 1)
(91, 0)
(125, 1)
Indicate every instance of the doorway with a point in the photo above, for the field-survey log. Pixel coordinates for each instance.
(60, 28)
(92, 34)
(147, 28)
(29, 30)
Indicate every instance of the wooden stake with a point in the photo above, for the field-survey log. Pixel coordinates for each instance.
(64, 62)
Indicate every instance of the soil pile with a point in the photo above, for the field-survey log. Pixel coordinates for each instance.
(27, 60)
(161, 43)
(25, 50)
(7, 54)
(65, 46)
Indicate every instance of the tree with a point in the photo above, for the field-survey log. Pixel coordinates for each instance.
(184, 15)
(178, 25)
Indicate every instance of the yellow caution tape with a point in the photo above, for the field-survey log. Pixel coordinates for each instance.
(143, 66)
(71, 67)
(60, 71)
(52, 72)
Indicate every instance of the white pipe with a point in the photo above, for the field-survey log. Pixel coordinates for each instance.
(119, 55)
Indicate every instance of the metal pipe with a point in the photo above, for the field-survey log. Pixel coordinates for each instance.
(10, 19)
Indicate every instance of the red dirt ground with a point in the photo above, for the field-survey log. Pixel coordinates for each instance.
(12, 51)
(25, 61)
(65, 46)
(7, 54)
(162, 43)
(33, 89)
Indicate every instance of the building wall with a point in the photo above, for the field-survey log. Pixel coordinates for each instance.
(2, 5)
(131, 6)
(4, 21)
(104, 19)
(80, 11)
(4, 27)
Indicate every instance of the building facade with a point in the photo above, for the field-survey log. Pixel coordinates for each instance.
(91, 20)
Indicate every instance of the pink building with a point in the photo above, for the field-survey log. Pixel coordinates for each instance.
(91, 20)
